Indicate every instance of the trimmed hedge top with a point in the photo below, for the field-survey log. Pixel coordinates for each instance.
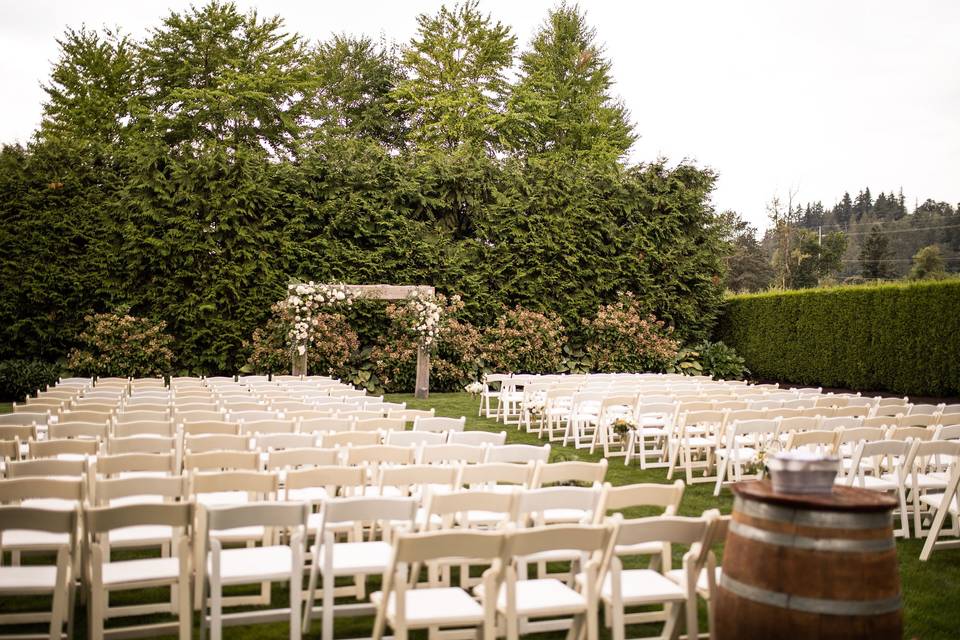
(901, 337)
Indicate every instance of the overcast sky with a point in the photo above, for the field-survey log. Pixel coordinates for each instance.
(817, 96)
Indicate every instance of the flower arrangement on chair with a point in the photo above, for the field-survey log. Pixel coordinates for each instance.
(622, 427)
(474, 388)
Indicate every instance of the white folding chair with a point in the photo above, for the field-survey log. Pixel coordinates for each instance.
(105, 574)
(654, 424)
(435, 605)
(744, 443)
(624, 588)
(358, 558)
(271, 562)
(517, 601)
(946, 505)
(32, 580)
(878, 466)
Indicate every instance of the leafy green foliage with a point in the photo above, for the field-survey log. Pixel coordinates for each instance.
(721, 362)
(192, 174)
(119, 344)
(928, 264)
(900, 337)
(687, 362)
(21, 378)
(748, 267)
(455, 89)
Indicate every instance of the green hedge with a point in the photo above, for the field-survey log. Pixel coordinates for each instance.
(903, 338)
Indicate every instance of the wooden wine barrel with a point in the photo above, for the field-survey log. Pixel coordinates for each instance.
(809, 566)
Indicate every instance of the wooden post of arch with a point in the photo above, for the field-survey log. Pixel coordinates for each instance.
(388, 292)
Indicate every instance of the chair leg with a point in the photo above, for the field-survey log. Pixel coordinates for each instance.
(97, 609)
(617, 623)
(328, 604)
(184, 609)
(216, 610)
(934, 531)
(296, 586)
(721, 476)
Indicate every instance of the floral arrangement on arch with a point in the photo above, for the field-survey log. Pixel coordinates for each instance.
(426, 314)
(305, 301)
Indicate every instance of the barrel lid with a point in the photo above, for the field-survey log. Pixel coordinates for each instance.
(840, 499)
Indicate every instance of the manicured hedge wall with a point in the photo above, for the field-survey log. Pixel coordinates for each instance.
(898, 337)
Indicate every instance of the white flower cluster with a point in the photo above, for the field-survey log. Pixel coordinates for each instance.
(475, 388)
(304, 300)
(428, 314)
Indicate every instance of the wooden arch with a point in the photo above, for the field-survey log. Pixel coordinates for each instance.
(387, 292)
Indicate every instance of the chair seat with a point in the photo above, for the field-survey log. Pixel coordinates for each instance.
(935, 499)
(223, 498)
(359, 558)
(653, 431)
(873, 483)
(445, 606)
(252, 564)
(54, 504)
(14, 539)
(741, 454)
(28, 579)
(703, 586)
(144, 534)
(652, 421)
(642, 586)
(143, 570)
(924, 481)
(544, 597)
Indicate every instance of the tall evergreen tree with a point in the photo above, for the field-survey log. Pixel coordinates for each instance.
(844, 210)
(863, 205)
(458, 64)
(875, 255)
(747, 265)
(562, 100)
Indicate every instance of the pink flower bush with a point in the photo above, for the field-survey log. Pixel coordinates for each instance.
(119, 344)
(622, 338)
(523, 341)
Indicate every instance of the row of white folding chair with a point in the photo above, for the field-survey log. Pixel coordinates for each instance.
(646, 536)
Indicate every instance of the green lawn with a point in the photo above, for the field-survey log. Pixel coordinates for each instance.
(930, 589)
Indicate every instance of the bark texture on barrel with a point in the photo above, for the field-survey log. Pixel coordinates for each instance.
(809, 566)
